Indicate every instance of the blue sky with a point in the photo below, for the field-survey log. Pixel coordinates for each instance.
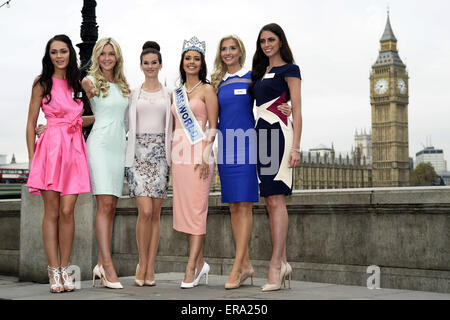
(334, 42)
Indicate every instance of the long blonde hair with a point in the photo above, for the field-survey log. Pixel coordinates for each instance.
(220, 68)
(101, 84)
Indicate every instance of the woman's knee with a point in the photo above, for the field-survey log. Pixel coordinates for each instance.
(156, 216)
(274, 203)
(145, 214)
(52, 214)
(66, 212)
(106, 206)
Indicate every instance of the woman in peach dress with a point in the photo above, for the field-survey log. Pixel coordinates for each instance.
(194, 104)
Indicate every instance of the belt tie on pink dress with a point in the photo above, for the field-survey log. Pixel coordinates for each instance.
(72, 126)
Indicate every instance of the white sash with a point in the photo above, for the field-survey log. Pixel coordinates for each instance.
(191, 127)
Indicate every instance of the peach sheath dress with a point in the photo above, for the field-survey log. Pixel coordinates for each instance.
(190, 192)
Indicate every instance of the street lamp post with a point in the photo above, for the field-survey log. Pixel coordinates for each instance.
(89, 35)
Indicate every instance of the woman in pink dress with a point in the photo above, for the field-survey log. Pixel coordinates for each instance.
(57, 160)
(194, 104)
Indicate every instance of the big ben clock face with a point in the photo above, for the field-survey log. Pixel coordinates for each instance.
(381, 86)
(401, 84)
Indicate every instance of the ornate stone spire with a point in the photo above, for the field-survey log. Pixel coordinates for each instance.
(388, 34)
(388, 51)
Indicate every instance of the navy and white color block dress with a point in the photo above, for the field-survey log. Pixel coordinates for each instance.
(274, 131)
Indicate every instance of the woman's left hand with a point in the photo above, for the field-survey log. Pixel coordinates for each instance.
(294, 159)
(204, 170)
(40, 130)
(285, 109)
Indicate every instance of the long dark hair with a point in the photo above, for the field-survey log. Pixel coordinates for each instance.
(261, 61)
(72, 70)
(201, 74)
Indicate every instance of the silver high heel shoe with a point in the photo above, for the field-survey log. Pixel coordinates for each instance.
(276, 286)
(54, 273)
(68, 284)
(96, 274)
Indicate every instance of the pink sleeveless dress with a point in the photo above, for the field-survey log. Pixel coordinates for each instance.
(60, 161)
(190, 193)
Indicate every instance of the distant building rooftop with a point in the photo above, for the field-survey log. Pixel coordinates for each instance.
(429, 150)
(23, 165)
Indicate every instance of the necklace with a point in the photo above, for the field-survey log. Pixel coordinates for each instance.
(193, 88)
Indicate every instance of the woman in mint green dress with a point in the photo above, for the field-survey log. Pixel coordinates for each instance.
(108, 92)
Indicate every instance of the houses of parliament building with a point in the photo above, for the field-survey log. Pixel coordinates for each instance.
(380, 158)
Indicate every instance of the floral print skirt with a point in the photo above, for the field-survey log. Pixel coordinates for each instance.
(149, 175)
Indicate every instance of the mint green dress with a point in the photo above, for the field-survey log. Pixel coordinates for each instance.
(106, 144)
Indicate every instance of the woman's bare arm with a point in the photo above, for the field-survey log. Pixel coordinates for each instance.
(37, 93)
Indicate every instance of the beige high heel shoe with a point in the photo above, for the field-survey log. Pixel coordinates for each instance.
(248, 274)
(139, 283)
(288, 275)
(96, 274)
(106, 283)
(150, 283)
(276, 286)
(242, 277)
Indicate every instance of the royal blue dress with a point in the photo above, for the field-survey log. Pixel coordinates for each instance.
(237, 140)
(274, 131)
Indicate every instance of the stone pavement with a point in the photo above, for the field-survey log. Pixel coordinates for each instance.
(168, 288)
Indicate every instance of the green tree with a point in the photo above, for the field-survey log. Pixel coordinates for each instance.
(423, 174)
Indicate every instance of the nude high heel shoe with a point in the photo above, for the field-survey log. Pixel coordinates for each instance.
(276, 286)
(106, 283)
(150, 283)
(96, 274)
(242, 277)
(246, 275)
(138, 282)
(288, 275)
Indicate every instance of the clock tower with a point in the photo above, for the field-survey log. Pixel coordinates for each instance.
(389, 101)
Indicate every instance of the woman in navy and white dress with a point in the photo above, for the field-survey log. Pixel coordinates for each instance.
(275, 80)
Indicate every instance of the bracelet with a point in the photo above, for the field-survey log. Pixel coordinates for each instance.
(298, 150)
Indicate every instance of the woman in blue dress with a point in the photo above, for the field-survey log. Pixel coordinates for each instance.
(237, 149)
(275, 80)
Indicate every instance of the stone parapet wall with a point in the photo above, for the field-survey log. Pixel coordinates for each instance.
(333, 236)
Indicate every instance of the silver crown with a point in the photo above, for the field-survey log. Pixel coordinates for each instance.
(194, 44)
